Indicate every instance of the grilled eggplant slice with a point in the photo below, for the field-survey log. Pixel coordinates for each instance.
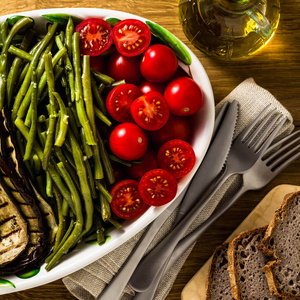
(14, 236)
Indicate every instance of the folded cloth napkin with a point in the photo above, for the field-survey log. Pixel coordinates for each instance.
(88, 282)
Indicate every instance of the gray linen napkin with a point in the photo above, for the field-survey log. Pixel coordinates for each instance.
(88, 282)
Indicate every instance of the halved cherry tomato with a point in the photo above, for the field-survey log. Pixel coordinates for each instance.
(177, 157)
(158, 187)
(175, 128)
(126, 201)
(95, 36)
(150, 111)
(119, 100)
(149, 162)
(132, 37)
(128, 141)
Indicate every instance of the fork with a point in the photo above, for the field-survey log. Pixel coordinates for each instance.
(247, 148)
(275, 159)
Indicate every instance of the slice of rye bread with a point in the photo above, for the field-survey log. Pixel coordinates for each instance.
(245, 266)
(218, 283)
(282, 244)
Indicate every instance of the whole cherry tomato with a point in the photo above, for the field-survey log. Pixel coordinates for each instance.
(184, 96)
(159, 63)
(147, 86)
(95, 36)
(158, 187)
(132, 37)
(122, 67)
(119, 100)
(98, 63)
(126, 202)
(150, 111)
(128, 141)
(177, 157)
(148, 162)
(175, 128)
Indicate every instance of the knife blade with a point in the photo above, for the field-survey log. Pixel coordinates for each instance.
(118, 283)
(142, 278)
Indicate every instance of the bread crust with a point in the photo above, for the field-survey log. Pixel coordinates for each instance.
(267, 248)
(212, 270)
(233, 262)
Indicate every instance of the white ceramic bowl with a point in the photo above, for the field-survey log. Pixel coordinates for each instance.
(85, 254)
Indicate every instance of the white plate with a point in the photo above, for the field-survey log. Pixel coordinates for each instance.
(85, 254)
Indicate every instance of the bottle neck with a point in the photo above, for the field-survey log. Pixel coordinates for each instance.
(235, 6)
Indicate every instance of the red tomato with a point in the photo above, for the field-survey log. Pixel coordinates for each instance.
(176, 157)
(184, 96)
(147, 86)
(98, 63)
(126, 202)
(158, 187)
(149, 162)
(95, 36)
(119, 100)
(150, 111)
(159, 63)
(132, 37)
(128, 141)
(122, 67)
(175, 128)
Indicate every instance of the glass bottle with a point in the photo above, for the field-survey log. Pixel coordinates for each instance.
(229, 29)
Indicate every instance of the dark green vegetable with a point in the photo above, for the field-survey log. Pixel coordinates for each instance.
(14, 19)
(112, 21)
(170, 40)
(61, 19)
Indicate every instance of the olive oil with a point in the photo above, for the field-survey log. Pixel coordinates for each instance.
(229, 29)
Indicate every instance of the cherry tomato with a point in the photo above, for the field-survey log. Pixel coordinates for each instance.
(177, 157)
(175, 128)
(147, 86)
(95, 36)
(132, 37)
(126, 202)
(98, 63)
(119, 100)
(149, 162)
(159, 63)
(184, 96)
(158, 187)
(128, 141)
(150, 111)
(122, 67)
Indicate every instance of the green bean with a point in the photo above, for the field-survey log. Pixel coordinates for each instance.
(87, 148)
(37, 166)
(81, 113)
(61, 18)
(99, 230)
(102, 77)
(15, 69)
(88, 99)
(97, 96)
(119, 160)
(104, 191)
(68, 68)
(4, 30)
(91, 179)
(53, 110)
(4, 56)
(117, 83)
(105, 208)
(51, 169)
(49, 185)
(84, 183)
(20, 53)
(106, 161)
(64, 121)
(69, 33)
(32, 132)
(73, 123)
(101, 116)
(115, 223)
(78, 227)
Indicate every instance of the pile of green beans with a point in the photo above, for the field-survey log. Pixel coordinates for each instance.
(58, 115)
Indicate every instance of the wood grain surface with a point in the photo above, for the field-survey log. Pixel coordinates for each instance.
(276, 68)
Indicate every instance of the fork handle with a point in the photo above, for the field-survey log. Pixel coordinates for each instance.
(151, 264)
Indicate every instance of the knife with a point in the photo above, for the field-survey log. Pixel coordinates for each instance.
(141, 278)
(116, 286)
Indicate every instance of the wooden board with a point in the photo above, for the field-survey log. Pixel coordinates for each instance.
(260, 216)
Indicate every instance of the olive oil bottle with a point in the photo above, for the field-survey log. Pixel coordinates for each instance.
(229, 29)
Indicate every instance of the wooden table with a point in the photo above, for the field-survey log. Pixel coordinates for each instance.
(276, 68)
